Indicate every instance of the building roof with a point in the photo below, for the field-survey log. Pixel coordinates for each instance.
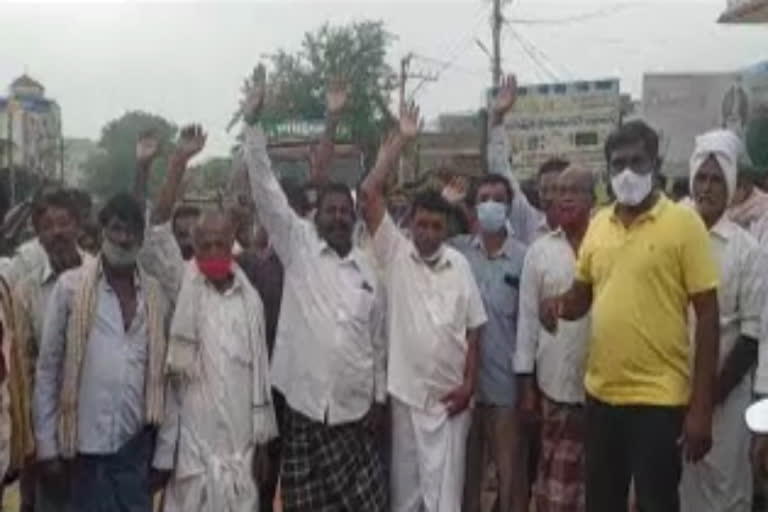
(745, 11)
(26, 81)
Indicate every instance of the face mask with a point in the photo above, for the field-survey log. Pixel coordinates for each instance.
(215, 269)
(491, 215)
(118, 256)
(631, 188)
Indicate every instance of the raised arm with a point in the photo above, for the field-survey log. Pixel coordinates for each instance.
(498, 142)
(191, 141)
(321, 156)
(282, 224)
(147, 148)
(525, 218)
(374, 204)
(160, 255)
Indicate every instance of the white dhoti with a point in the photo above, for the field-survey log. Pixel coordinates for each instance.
(428, 451)
(212, 482)
(722, 481)
(220, 388)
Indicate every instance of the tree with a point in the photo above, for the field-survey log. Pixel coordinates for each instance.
(211, 176)
(115, 169)
(356, 52)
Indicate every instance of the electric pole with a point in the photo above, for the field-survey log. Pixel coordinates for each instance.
(496, 27)
(405, 62)
(405, 75)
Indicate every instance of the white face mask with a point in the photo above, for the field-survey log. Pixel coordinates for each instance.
(631, 188)
(118, 256)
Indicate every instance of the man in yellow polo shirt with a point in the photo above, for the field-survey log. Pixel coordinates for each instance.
(643, 261)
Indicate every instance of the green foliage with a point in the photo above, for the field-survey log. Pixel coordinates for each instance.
(210, 176)
(357, 51)
(114, 170)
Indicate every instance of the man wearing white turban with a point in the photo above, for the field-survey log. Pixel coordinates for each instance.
(722, 481)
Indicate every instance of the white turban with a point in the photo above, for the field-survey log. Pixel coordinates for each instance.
(727, 148)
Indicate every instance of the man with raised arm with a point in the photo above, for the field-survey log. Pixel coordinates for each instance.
(329, 358)
(262, 265)
(528, 223)
(434, 324)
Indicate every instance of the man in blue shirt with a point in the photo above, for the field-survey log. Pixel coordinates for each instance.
(496, 259)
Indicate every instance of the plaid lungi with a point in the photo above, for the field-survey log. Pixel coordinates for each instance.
(330, 468)
(560, 474)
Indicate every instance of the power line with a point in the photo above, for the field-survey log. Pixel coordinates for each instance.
(454, 66)
(607, 11)
(533, 57)
(457, 50)
(536, 49)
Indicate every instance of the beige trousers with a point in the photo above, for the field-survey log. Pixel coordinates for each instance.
(496, 435)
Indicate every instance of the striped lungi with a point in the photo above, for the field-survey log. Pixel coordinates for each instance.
(330, 468)
(560, 473)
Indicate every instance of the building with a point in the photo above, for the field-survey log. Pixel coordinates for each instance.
(30, 125)
(745, 11)
(290, 143)
(683, 105)
(570, 120)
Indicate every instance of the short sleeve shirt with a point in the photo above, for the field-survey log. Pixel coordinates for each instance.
(642, 278)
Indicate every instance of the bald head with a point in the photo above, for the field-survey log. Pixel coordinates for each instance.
(575, 197)
(214, 235)
(575, 176)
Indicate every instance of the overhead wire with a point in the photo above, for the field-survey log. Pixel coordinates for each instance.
(548, 73)
(453, 66)
(604, 12)
(561, 68)
(456, 51)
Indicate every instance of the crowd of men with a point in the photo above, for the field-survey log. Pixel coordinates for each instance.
(596, 358)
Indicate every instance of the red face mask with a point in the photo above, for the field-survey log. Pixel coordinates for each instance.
(215, 269)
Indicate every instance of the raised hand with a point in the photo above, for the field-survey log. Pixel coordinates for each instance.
(191, 141)
(253, 97)
(410, 121)
(456, 189)
(336, 95)
(507, 95)
(147, 148)
(254, 90)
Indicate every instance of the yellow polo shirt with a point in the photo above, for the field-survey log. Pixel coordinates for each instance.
(642, 278)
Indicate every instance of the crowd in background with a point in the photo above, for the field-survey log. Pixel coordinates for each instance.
(330, 347)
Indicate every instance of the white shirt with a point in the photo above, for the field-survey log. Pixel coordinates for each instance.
(33, 291)
(330, 356)
(29, 258)
(430, 310)
(110, 405)
(559, 360)
(741, 293)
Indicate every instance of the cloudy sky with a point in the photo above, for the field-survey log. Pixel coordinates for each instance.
(185, 61)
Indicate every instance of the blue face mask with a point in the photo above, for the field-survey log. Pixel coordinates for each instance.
(491, 215)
